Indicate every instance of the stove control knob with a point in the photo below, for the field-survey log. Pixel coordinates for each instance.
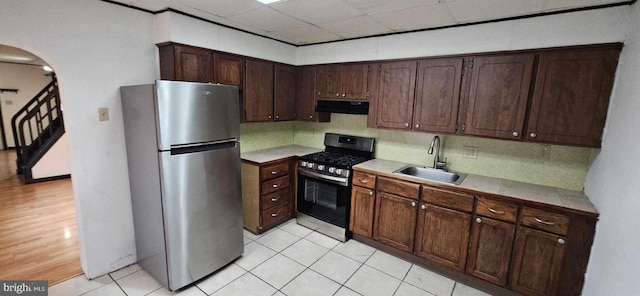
(303, 163)
(339, 171)
(332, 170)
(310, 165)
(321, 167)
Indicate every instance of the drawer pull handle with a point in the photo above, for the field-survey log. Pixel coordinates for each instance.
(275, 185)
(274, 215)
(495, 212)
(274, 199)
(274, 172)
(543, 222)
(561, 241)
(365, 181)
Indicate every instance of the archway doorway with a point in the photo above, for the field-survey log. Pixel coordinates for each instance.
(38, 225)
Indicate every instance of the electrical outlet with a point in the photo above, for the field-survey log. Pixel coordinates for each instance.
(103, 114)
(470, 152)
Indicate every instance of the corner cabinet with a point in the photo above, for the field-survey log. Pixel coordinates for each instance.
(267, 193)
(571, 96)
(185, 63)
(507, 243)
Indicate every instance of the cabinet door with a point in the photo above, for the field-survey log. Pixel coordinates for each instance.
(395, 221)
(285, 92)
(497, 98)
(362, 204)
(306, 94)
(490, 250)
(442, 236)
(396, 94)
(354, 82)
(329, 82)
(228, 69)
(437, 95)
(537, 260)
(571, 96)
(258, 92)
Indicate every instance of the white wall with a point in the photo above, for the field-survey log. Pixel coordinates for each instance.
(587, 27)
(95, 47)
(56, 162)
(612, 181)
(29, 80)
(175, 27)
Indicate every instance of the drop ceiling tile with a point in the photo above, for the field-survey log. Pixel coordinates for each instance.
(477, 10)
(267, 19)
(222, 8)
(433, 15)
(308, 34)
(377, 6)
(355, 27)
(566, 4)
(317, 11)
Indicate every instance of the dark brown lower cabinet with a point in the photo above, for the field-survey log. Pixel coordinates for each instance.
(490, 250)
(442, 236)
(537, 260)
(362, 205)
(395, 221)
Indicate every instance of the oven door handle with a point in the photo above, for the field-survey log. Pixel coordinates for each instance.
(330, 179)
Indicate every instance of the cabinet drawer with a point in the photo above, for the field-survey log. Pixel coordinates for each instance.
(275, 184)
(448, 199)
(400, 188)
(540, 219)
(497, 209)
(364, 180)
(275, 214)
(273, 199)
(274, 171)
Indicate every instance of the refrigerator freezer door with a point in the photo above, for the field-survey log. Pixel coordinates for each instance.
(190, 113)
(202, 206)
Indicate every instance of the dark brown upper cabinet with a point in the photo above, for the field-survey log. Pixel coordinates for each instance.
(306, 96)
(437, 95)
(228, 69)
(285, 92)
(571, 96)
(258, 90)
(497, 98)
(185, 63)
(348, 82)
(395, 94)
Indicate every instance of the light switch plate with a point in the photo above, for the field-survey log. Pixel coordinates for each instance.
(470, 152)
(103, 114)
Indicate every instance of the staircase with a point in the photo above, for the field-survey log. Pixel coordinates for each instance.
(36, 127)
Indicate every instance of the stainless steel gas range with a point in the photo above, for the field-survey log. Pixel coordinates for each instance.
(324, 183)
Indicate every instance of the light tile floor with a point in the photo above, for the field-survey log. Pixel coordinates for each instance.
(288, 260)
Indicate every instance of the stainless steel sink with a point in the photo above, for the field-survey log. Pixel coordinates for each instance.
(431, 174)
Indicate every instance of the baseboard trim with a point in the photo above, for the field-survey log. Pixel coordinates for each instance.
(67, 176)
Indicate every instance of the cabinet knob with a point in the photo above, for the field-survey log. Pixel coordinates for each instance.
(533, 135)
(310, 116)
(417, 125)
(343, 95)
(274, 172)
(515, 134)
(370, 192)
(424, 207)
(413, 204)
(478, 220)
(561, 241)
(406, 124)
(274, 199)
(337, 94)
(274, 215)
(275, 185)
(277, 117)
(269, 116)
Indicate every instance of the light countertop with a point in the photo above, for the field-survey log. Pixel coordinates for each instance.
(574, 200)
(271, 154)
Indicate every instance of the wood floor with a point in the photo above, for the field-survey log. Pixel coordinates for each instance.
(38, 231)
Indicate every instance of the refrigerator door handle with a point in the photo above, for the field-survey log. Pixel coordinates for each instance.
(200, 147)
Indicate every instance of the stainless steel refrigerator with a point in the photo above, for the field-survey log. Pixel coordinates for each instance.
(184, 172)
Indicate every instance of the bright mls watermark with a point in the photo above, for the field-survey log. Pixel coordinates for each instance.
(24, 288)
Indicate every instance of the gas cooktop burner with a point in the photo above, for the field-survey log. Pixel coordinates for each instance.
(334, 159)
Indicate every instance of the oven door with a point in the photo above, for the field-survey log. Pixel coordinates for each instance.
(324, 200)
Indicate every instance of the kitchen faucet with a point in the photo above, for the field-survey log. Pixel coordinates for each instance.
(437, 164)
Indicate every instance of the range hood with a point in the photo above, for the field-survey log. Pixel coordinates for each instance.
(346, 107)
